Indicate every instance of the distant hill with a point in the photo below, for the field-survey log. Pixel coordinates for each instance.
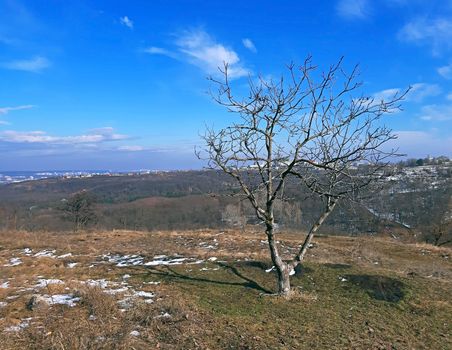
(412, 201)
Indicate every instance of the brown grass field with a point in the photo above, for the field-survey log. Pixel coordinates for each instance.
(208, 289)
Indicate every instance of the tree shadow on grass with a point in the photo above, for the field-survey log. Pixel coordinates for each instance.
(379, 287)
(169, 273)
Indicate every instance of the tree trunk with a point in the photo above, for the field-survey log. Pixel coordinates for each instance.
(282, 269)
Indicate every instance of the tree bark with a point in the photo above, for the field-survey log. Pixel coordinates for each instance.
(282, 268)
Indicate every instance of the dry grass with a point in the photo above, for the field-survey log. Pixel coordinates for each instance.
(396, 295)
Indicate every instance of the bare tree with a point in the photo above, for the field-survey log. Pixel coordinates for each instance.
(79, 209)
(306, 127)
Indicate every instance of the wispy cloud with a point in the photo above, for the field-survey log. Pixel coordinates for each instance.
(436, 33)
(436, 112)
(199, 48)
(449, 96)
(126, 21)
(154, 50)
(421, 91)
(422, 143)
(4, 122)
(131, 148)
(35, 64)
(418, 92)
(6, 110)
(445, 71)
(353, 9)
(92, 137)
(249, 45)
(202, 50)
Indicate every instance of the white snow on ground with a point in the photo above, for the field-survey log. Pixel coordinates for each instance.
(45, 253)
(212, 258)
(163, 315)
(135, 260)
(14, 262)
(42, 282)
(270, 269)
(24, 323)
(4, 285)
(135, 334)
(64, 299)
(67, 255)
(3, 304)
(116, 291)
(102, 283)
(176, 261)
(144, 294)
(27, 251)
(71, 265)
(292, 272)
(124, 260)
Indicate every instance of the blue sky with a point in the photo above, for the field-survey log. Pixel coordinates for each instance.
(122, 85)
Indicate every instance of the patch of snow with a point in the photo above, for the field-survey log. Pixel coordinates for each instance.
(14, 262)
(292, 272)
(166, 261)
(45, 253)
(92, 318)
(135, 334)
(45, 282)
(3, 303)
(154, 283)
(24, 323)
(144, 294)
(212, 258)
(196, 262)
(64, 256)
(207, 269)
(126, 276)
(4, 285)
(159, 257)
(72, 265)
(116, 291)
(270, 269)
(163, 315)
(124, 260)
(102, 283)
(27, 251)
(62, 299)
(342, 279)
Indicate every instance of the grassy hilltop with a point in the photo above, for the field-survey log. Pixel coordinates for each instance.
(208, 289)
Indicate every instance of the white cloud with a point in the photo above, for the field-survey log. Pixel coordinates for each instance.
(418, 92)
(153, 50)
(445, 71)
(126, 21)
(202, 50)
(92, 137)
(449, 96)
(4, 122)
(131, 148)
(6, 110)
(422, 143)
(249, 45)
(436, 112)
(35, 64)
(436, 33)
(353, 9)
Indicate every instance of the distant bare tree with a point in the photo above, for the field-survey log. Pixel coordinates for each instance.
(79, 208)
(305, 127)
